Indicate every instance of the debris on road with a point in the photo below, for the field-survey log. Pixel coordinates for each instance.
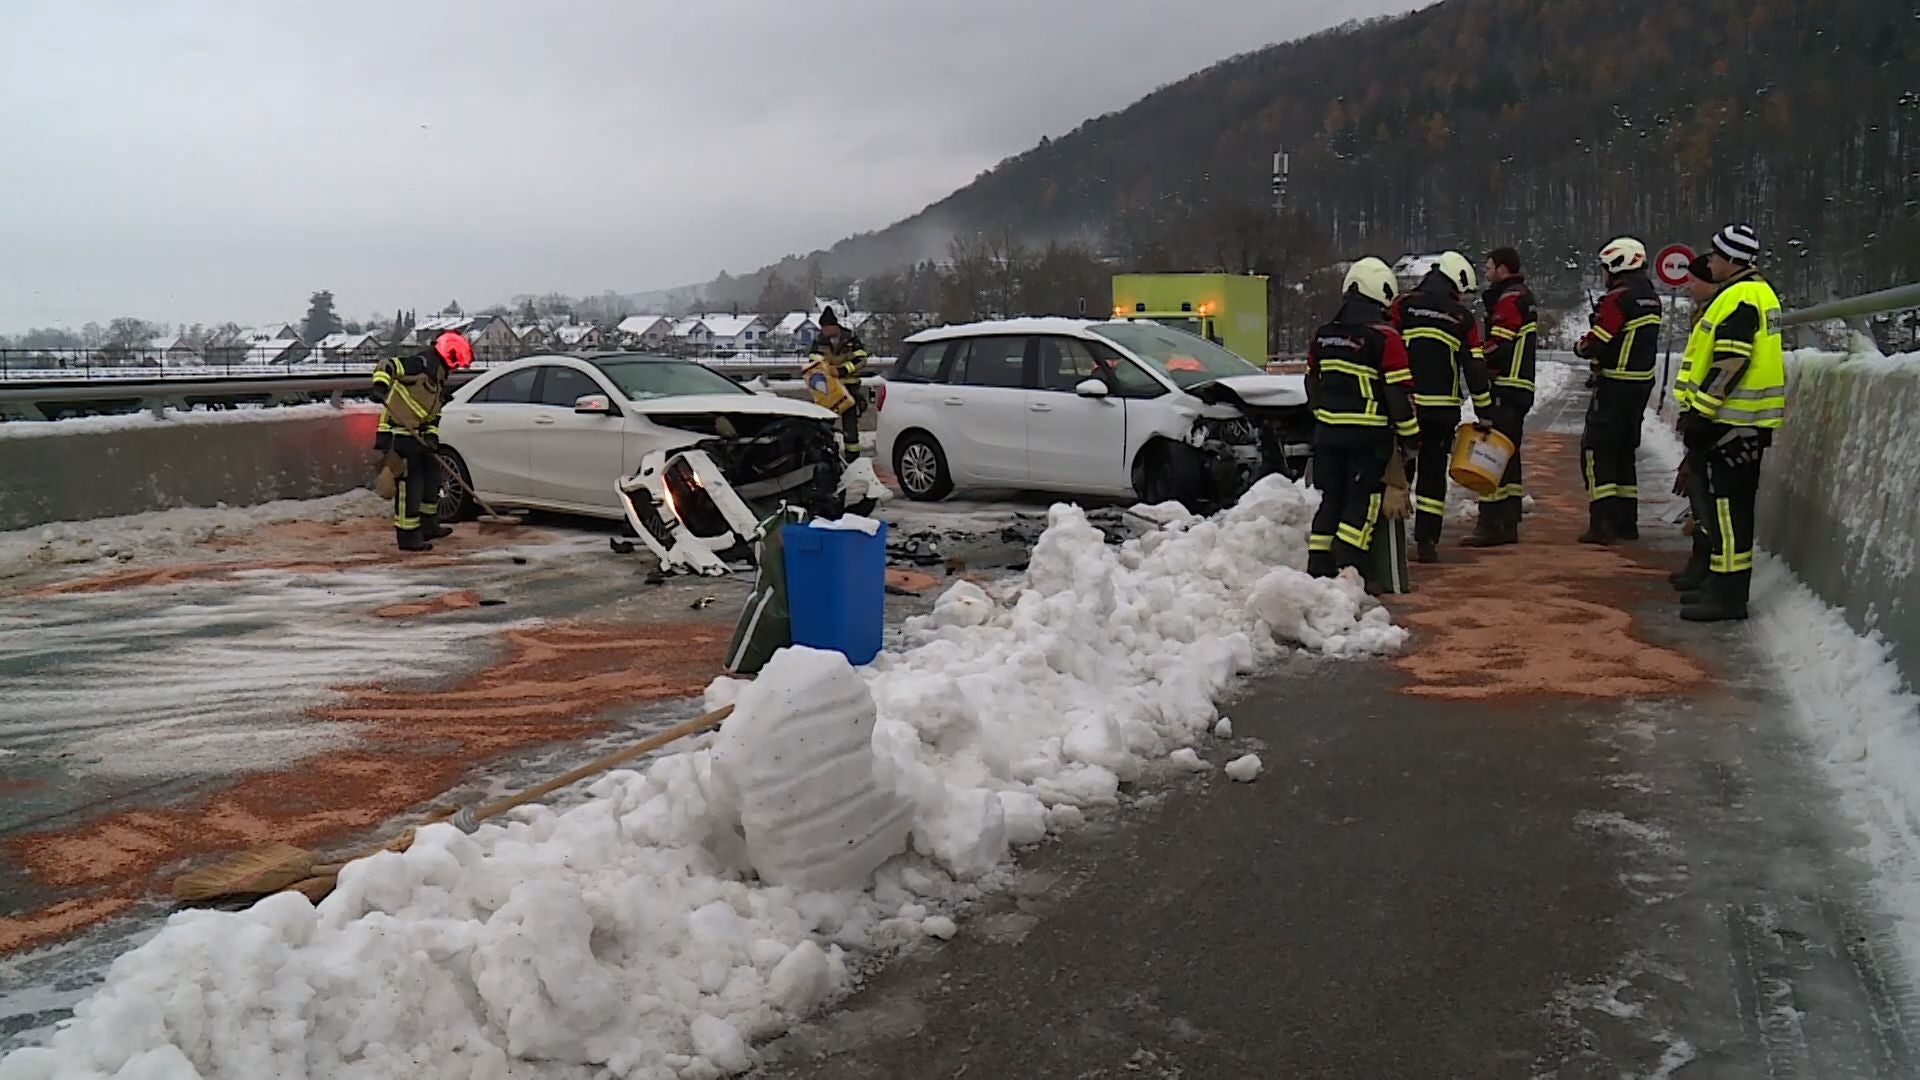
(1244, 768)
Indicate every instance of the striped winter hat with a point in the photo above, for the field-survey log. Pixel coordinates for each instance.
(1738, 243)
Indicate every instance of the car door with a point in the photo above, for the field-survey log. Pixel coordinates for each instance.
(491, 432)
(1075, 443)
(983, 407)
(577, 457)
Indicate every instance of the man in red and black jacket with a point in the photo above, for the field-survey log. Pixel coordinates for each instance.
(1357, 383)
(1443, 350)
(1621, 347)
(1513, 327)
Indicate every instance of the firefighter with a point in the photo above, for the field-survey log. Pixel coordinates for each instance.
(413, 389)
(841, 351)
(1443, 346)
(1733, 395)
(1357, 384)
(1621, 347)
(1512, 330)
(1691, 482)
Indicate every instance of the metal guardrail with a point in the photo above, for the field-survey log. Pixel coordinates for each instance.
(54, 398)
(1886, 301)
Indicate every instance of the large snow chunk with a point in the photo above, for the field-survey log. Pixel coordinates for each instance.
(796, 759)
(1334, 616)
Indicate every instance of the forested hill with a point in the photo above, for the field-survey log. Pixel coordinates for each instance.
(1552, 125)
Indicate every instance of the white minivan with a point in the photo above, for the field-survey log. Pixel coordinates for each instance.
(1124, 408)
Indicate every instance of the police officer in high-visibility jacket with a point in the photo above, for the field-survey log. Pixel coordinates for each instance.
(1733, 395)
(1357, 385)
(1513, 328)
(844, 354)
(413, 388)
(1443, 350)
(1621, 347)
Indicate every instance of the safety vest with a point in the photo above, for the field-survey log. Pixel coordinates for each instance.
(1759, 398)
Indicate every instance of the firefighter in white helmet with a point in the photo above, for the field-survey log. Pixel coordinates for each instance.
(1621, 348)
(1357, 384)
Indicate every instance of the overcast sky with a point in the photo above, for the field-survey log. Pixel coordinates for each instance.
(220, 161)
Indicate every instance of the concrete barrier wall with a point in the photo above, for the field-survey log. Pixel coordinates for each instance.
(1840, 493)
(109, 466)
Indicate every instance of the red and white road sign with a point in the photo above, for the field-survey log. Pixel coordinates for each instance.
(1671, 266)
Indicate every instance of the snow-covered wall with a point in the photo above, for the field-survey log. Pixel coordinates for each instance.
(75, 470)
(1840, 496)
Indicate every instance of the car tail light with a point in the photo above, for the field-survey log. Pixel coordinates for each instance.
(880, 397)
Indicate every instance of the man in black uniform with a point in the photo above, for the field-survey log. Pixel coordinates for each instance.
(1513, 326)
(1621, 347)
(1443, 346)
(1357, 382)
(412, 390)
(843, 352)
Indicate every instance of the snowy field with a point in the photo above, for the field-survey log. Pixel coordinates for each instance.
(683, 912)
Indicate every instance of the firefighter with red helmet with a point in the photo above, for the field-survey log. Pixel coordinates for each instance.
(412, 390)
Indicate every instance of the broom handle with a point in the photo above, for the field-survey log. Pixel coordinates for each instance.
(447, 471)
(644, 746)
(493, 809)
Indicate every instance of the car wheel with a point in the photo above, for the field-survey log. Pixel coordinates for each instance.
(921, 467)
(1171, 474)
(455, 503)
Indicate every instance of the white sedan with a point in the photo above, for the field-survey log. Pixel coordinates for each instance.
(561, 432)
(1125, 408)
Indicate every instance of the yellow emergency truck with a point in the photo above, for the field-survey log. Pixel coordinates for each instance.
(1229, 310)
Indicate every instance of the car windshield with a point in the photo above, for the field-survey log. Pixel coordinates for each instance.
(1187, 359)
(645, 380)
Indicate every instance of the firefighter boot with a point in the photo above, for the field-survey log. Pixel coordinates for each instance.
(1626, 525)
(1320, 564)
(1487, 530)
(1723, 600)
(431, 529)
(1514, 509)
(1600, 523)
(1693, 576)
(412, 540)
(1426, 551)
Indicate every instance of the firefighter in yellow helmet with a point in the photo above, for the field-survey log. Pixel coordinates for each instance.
(1733, 396)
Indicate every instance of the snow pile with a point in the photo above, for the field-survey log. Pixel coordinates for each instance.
(795, 761)
(1864, 723)
(631, 932)
(847, 523)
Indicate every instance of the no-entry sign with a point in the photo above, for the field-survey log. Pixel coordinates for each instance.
(1671, 266)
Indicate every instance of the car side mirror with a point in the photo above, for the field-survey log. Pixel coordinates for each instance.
(1092, 388)
(594, 404)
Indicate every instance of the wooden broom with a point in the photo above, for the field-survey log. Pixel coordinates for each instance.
(279, 867)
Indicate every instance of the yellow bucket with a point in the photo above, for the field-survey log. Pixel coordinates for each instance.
(1479, 458)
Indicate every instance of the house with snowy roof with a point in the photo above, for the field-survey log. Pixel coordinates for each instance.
(534, 337)
(276, 351)
(691, 332)
(735, 333)
(578, 337)
(795, 330)
(645, 331)
(345, 348)
(170, 351)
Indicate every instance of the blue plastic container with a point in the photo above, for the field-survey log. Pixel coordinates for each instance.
(837, 589)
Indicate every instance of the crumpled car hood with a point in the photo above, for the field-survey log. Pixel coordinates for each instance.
(1258, 391)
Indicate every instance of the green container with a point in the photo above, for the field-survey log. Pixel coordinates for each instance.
(1386, 566)
(766, 625)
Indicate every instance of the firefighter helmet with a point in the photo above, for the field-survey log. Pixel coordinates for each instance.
(1623, 255)
(455, 349)
(1460, 272)
(1373, 279)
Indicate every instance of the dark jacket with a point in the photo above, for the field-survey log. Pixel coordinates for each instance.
(1357, 375)
(1443, 344)
(847, 355)
(1513, 331)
